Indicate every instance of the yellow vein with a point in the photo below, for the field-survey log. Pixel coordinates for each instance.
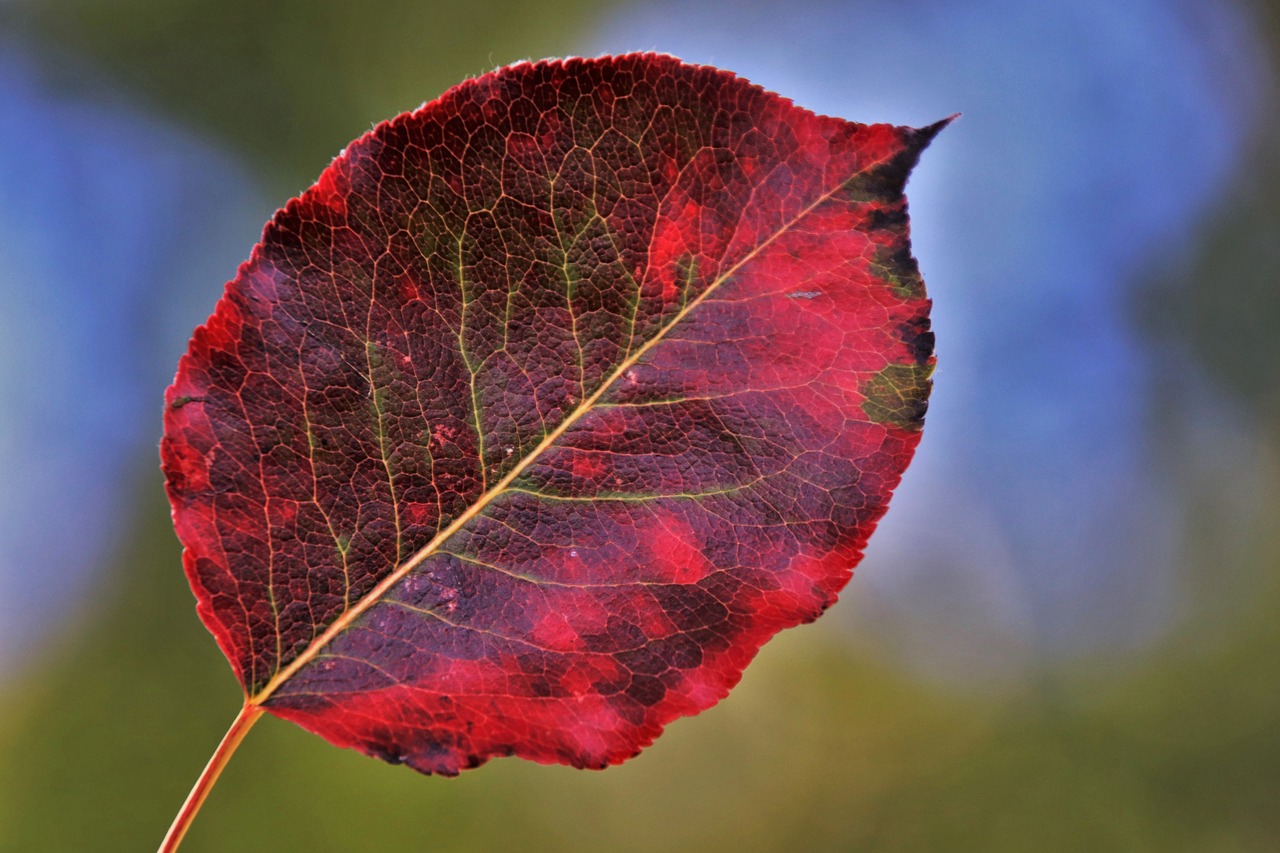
(537, 581)
(466, 360)
(382, 444)
(636, 497)
(312, 438)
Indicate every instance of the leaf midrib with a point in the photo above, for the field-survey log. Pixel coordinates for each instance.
(431, 548)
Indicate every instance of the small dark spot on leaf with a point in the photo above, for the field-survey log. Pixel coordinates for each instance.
(889, 217)
(647, 690)
(918, 338)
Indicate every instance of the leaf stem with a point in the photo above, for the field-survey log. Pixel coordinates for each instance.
(244, 721)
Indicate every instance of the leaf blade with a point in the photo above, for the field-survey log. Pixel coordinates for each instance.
(729, 214)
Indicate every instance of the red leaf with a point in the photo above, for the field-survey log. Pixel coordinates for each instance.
(525, 427)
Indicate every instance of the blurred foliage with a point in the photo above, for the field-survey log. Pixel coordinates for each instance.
(819, 748)
(1230, 304)
(1230, 316)
(289, 83)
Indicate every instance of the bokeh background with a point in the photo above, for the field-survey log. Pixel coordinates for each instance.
(1066, 634)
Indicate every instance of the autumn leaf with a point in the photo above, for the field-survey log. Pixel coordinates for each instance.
(552, 401)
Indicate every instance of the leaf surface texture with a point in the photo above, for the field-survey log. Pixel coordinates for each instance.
(552, 401)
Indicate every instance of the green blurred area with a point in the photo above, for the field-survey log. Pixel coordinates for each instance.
(290, 83)
(820, 748)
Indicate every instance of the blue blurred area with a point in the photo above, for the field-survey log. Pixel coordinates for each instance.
(116, 231)
(1038, 521)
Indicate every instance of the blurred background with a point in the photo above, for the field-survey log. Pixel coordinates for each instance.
(1065, 635)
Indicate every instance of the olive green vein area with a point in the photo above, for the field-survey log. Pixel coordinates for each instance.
(634, 496)
(898, 395)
